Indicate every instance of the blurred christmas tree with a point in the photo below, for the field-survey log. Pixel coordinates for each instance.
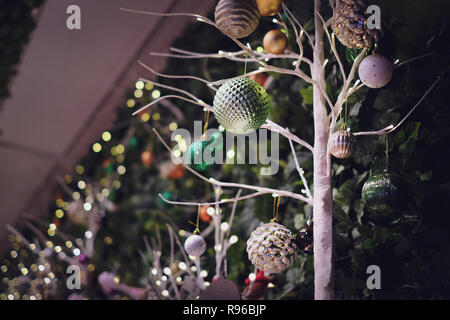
(110, 222)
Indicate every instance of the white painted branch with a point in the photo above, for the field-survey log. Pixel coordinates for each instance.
(237, 185)
(270, 125)
(222, 201)
(300, 170)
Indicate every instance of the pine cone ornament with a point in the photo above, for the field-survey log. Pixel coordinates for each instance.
(237, 18)
(241, 105)
(350, 25)
(271, 248)
(341, 144)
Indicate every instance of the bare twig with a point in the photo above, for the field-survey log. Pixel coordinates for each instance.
(412, 59)
(300, 170)
(222, 201)
(392, 128)
(281, 193)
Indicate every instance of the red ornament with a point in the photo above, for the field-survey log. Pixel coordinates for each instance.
(147, 158)
(56, 222)
(258, 289)
(204, 216)
(107, 162)
(59, 195)
(177, 172)
(261, 78)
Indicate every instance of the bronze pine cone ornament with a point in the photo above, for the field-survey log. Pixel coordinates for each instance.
(237, 18)
(350, 25)
(271, 248)
(341, 144)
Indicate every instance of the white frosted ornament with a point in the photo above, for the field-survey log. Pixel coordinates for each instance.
(376, 71)
(195, 245)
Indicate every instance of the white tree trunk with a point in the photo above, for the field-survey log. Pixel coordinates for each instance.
(323, 202)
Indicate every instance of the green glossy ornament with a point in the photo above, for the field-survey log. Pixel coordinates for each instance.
(196, 154)
(109, 168)
(133, 142)
(218, 145)
(382, 193)
(168, 195)
(241, 105)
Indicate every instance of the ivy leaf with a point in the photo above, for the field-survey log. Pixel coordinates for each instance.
(345, 193)
(385, 100)
(307, 94)
(338, 169)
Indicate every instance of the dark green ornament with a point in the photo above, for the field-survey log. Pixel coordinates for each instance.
(133, 142)
(112, 194)
(196, 154)
(168, 195)
(382, 193)
(109, 168)
(241, 105)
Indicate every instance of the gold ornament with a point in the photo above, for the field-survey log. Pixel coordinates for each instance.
(341, 144)
(275, 42)
(147, 158)
(269, 7)
(237, 18)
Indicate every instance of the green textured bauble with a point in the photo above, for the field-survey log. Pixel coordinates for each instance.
(197, 152)
(382, 193)
(241, 105)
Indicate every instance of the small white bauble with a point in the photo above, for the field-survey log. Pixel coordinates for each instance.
(376, 71)
(195, 245)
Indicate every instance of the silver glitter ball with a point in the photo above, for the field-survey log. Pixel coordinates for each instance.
(195, 245)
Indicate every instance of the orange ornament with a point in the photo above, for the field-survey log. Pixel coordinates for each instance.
(204, 216)
(269, 7)
(275, 42)
(147, 158)
(177, 172)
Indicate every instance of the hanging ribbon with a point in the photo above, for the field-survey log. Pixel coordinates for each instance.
(197, 229)
(276, 205)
